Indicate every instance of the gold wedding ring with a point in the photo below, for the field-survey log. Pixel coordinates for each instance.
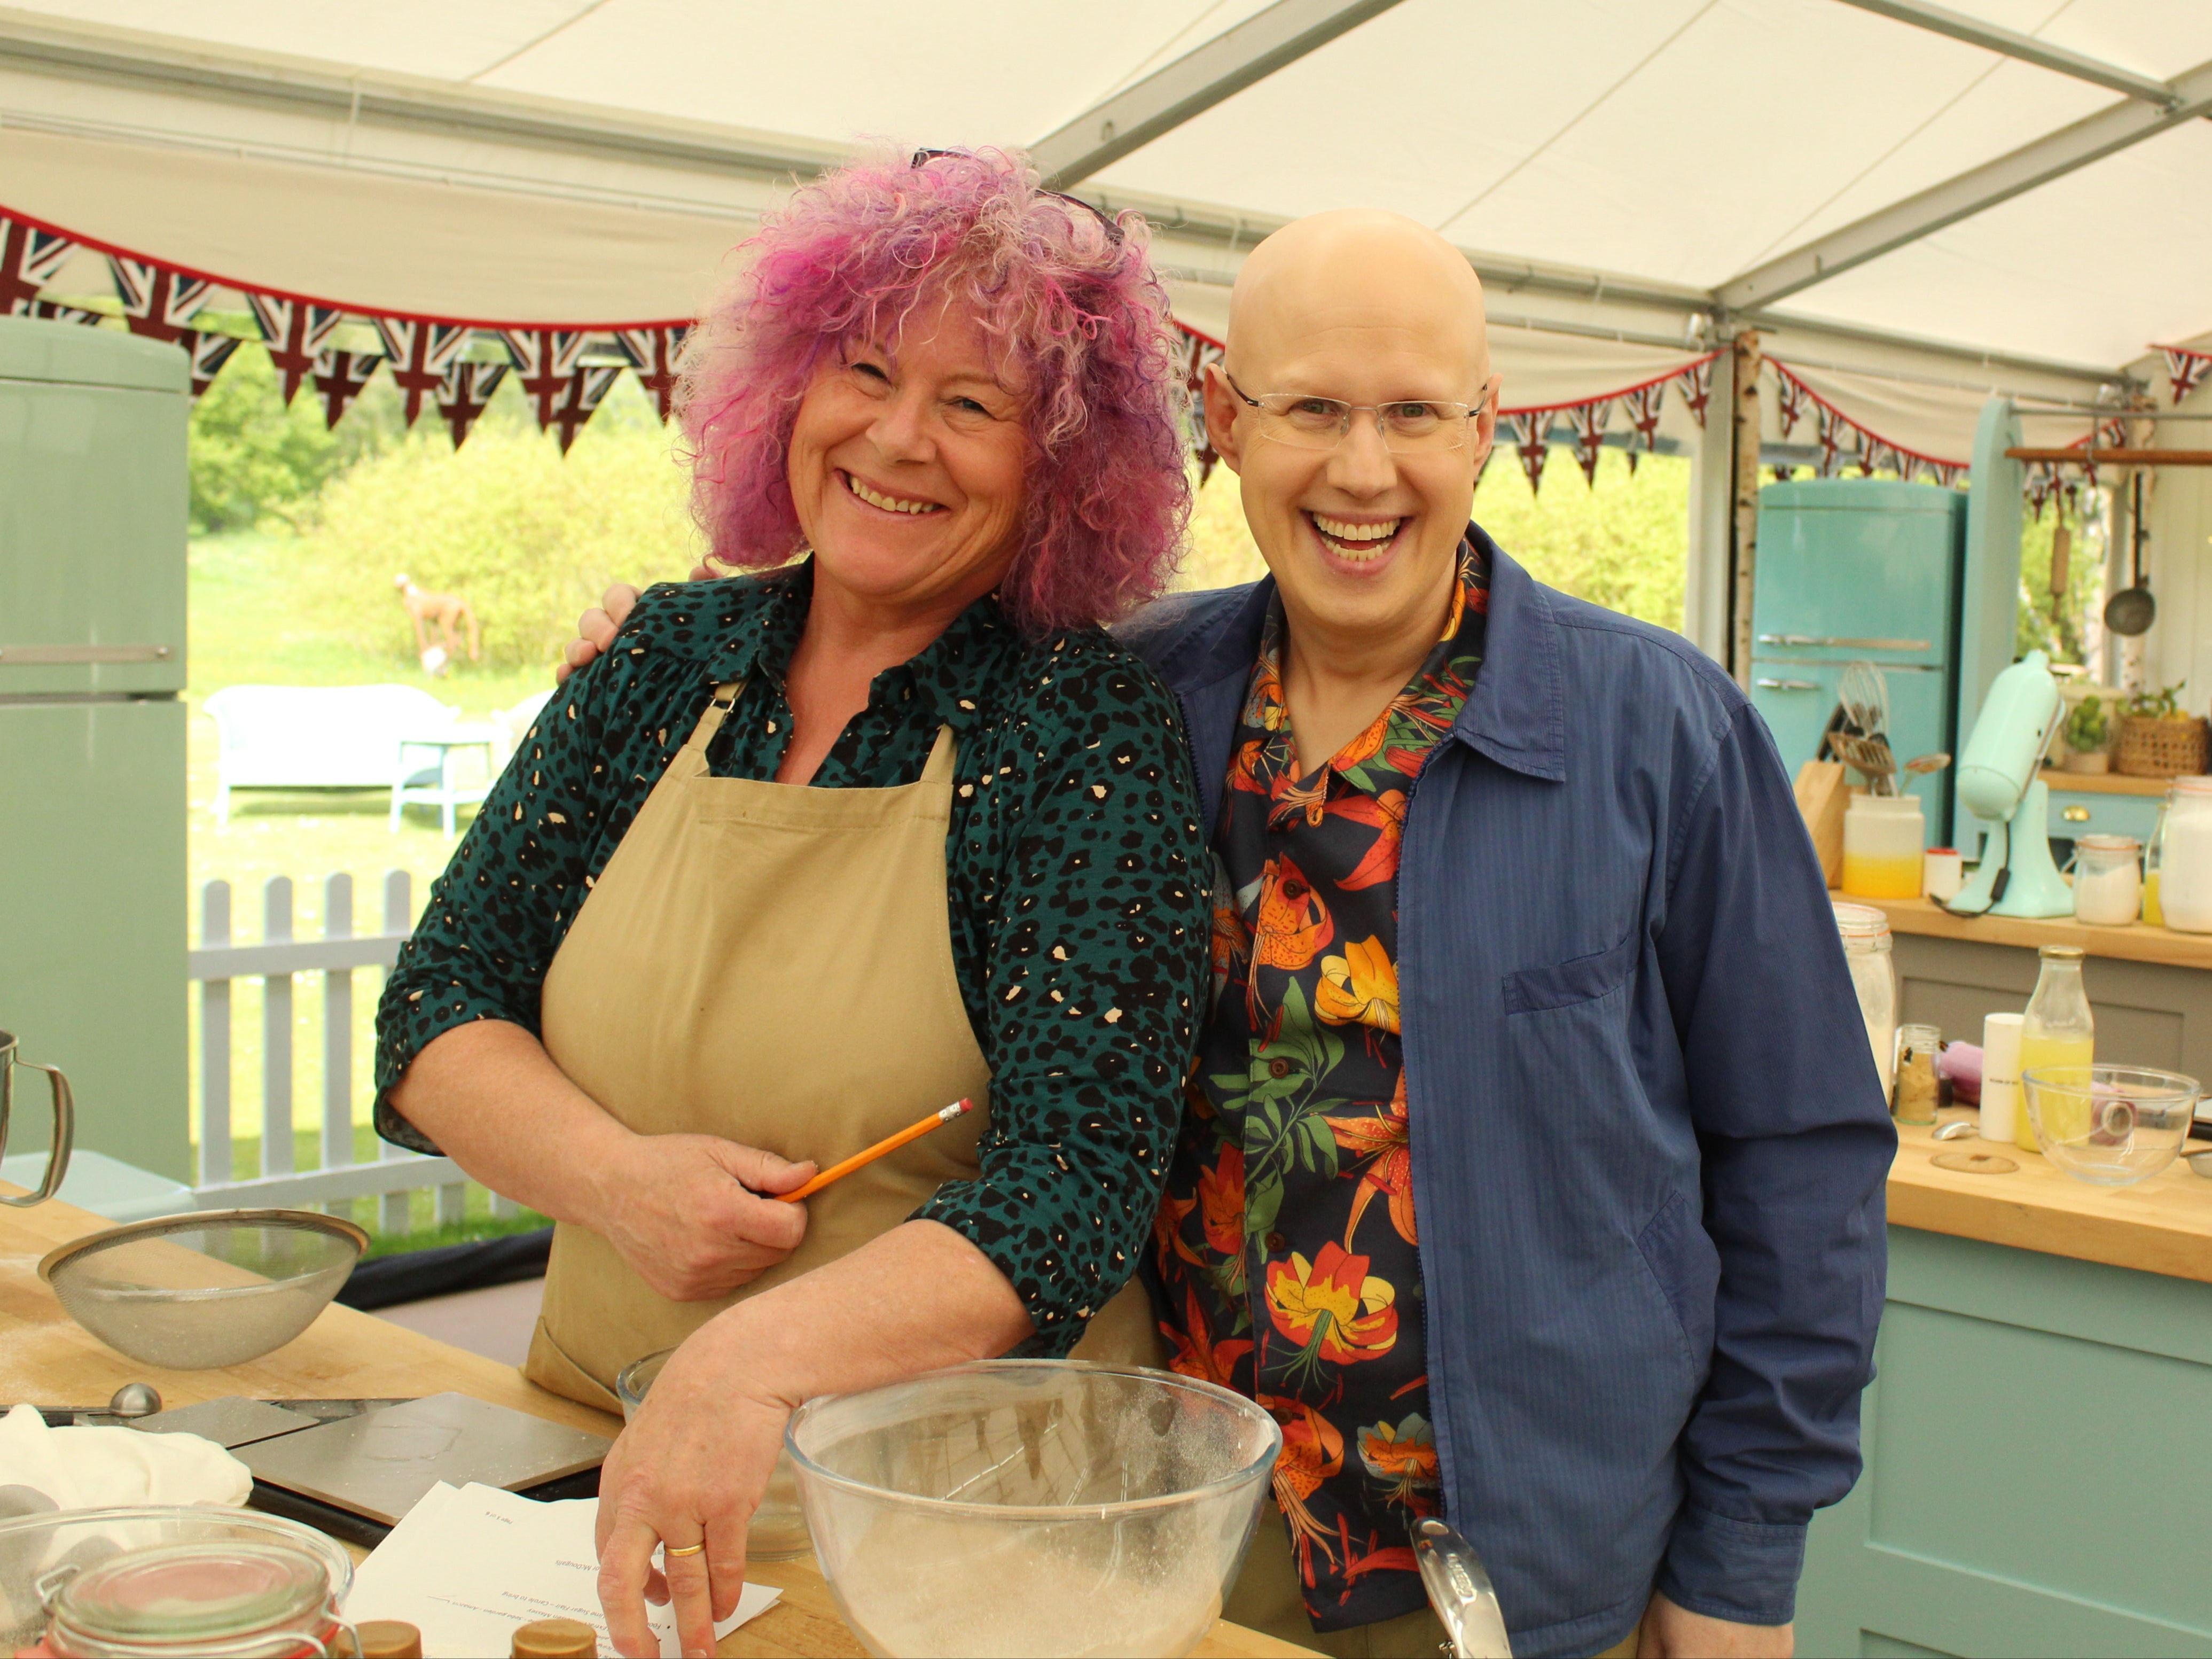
(689, 1549)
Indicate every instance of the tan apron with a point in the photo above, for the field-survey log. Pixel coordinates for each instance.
(772, 965)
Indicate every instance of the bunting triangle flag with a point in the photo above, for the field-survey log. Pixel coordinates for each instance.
(29, 257)
(1532, 440)
(1790, 398)
(296, 332)
(544, 360)
(157, 302)
(1644, 406)
(209, 353)
(653, 354)
(465, 392)
(587, 387)
(61, 314)
(419, 354)
(339, 377)
(1588, 421)
(1198, 354)
(1831, 430)
(1697, 384)
(2184, 367)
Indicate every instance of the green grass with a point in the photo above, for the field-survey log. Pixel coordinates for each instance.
(248, 627)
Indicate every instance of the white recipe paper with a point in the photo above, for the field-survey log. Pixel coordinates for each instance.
(467, 1565)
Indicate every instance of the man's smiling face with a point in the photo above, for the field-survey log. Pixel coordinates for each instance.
(1365, 308)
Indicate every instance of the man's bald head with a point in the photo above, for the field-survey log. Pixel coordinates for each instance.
(1358, 269)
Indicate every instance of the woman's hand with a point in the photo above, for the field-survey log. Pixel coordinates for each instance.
(690, 1469)
(686, 1211)
(597, 628)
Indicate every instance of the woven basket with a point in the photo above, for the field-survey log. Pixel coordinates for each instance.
(2153, 748)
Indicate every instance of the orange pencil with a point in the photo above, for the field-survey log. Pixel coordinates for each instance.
(888, 1144)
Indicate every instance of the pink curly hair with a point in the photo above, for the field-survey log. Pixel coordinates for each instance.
(1075, 308)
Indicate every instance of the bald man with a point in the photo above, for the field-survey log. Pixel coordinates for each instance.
(1534, 1169)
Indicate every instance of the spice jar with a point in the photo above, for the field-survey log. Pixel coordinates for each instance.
(269, 1599)
(2181, 889)
(1912, 1100)
(1865, 933)
(2107, 880)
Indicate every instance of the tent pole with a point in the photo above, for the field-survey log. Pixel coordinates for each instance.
(1709, 578)
(1743, 424)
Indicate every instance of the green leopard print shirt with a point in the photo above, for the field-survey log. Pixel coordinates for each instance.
(1073, 864)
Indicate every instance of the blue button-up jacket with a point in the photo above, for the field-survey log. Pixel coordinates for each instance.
(1649, 1141)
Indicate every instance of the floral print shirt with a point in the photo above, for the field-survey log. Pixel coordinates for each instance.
(1285, 1248)
(1074, 871)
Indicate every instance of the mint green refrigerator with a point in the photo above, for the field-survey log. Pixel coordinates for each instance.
(93, 904)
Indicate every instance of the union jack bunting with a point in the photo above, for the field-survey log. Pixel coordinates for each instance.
(339, 376)
(209, 353)
(29, 257)
(465, 392)
(2184, 367)
(296, 332)
(1947, 473)
(1644, 405)
(652, 353)
(1697, 384)
(1875, 456)
(544, 359)
(60, 314)
(1789, 401)
(419, 354)
(1588, 421)
(1833, 426)
(1199, 353)
(157, 302)
(587, 388)
(2042, 480)
(1532, 440)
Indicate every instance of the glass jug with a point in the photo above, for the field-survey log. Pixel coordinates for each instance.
(1865, 933)
(2178, 884)
(64, 1119)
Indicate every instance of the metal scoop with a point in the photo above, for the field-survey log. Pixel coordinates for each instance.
(1459, 1590)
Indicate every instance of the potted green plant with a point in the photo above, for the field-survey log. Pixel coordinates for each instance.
(2087, 731)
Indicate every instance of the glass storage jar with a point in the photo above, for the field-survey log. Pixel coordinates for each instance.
(2180, 891)
(1884, 837)
(1865, 933)
(2107, 880)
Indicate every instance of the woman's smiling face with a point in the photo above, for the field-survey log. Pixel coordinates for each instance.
(907, 464)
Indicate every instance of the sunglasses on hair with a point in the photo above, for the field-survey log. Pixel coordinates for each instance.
(1113, 230)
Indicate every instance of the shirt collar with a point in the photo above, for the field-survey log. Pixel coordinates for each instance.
(760, 623)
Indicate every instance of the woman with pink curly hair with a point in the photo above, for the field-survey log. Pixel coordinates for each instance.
(885, 821)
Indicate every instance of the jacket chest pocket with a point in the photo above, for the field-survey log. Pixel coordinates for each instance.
(1578, 979)
(1567, 1044)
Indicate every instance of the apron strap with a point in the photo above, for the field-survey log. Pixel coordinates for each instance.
(711, 718)
(944, 755)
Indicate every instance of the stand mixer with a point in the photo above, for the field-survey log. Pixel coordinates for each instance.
(1998, 782)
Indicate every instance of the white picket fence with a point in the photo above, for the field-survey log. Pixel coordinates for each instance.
(337, 956)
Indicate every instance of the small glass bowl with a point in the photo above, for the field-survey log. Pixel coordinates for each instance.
(2111, 1125)
(778, 1532)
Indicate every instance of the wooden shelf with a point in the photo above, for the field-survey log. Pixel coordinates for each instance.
(2101, 783)
(2161, 1226)
(2138, 942)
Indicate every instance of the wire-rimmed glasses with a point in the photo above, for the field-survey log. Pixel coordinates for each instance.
(1408, 426)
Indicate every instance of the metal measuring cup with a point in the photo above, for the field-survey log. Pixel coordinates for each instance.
(64, 1119)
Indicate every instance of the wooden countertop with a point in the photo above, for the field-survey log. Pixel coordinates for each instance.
(47, 1359)
(2161, 1226)
(2138, 942)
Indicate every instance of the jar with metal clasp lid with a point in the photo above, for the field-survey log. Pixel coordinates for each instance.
(1865, 933)
(266, 1601)
(2177, 858)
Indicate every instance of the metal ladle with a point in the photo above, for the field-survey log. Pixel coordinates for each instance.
(2131, 610)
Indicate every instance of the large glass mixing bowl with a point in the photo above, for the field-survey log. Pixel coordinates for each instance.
(1032, 1506)
(2110, 1125)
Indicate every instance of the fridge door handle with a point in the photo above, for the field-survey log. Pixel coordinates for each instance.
(1787, 685)
(1844, 644)
(50, 656)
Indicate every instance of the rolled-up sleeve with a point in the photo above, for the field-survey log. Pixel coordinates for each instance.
(1094, 927)
(1797, 1144)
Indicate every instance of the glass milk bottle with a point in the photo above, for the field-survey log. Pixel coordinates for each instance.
(2180, 890)
(2058, 1028)
(1865, 933)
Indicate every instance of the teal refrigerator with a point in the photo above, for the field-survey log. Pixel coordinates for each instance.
(92, 902)
(1862, 569)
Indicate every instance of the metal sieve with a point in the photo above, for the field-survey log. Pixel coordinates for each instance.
(190, 1292)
